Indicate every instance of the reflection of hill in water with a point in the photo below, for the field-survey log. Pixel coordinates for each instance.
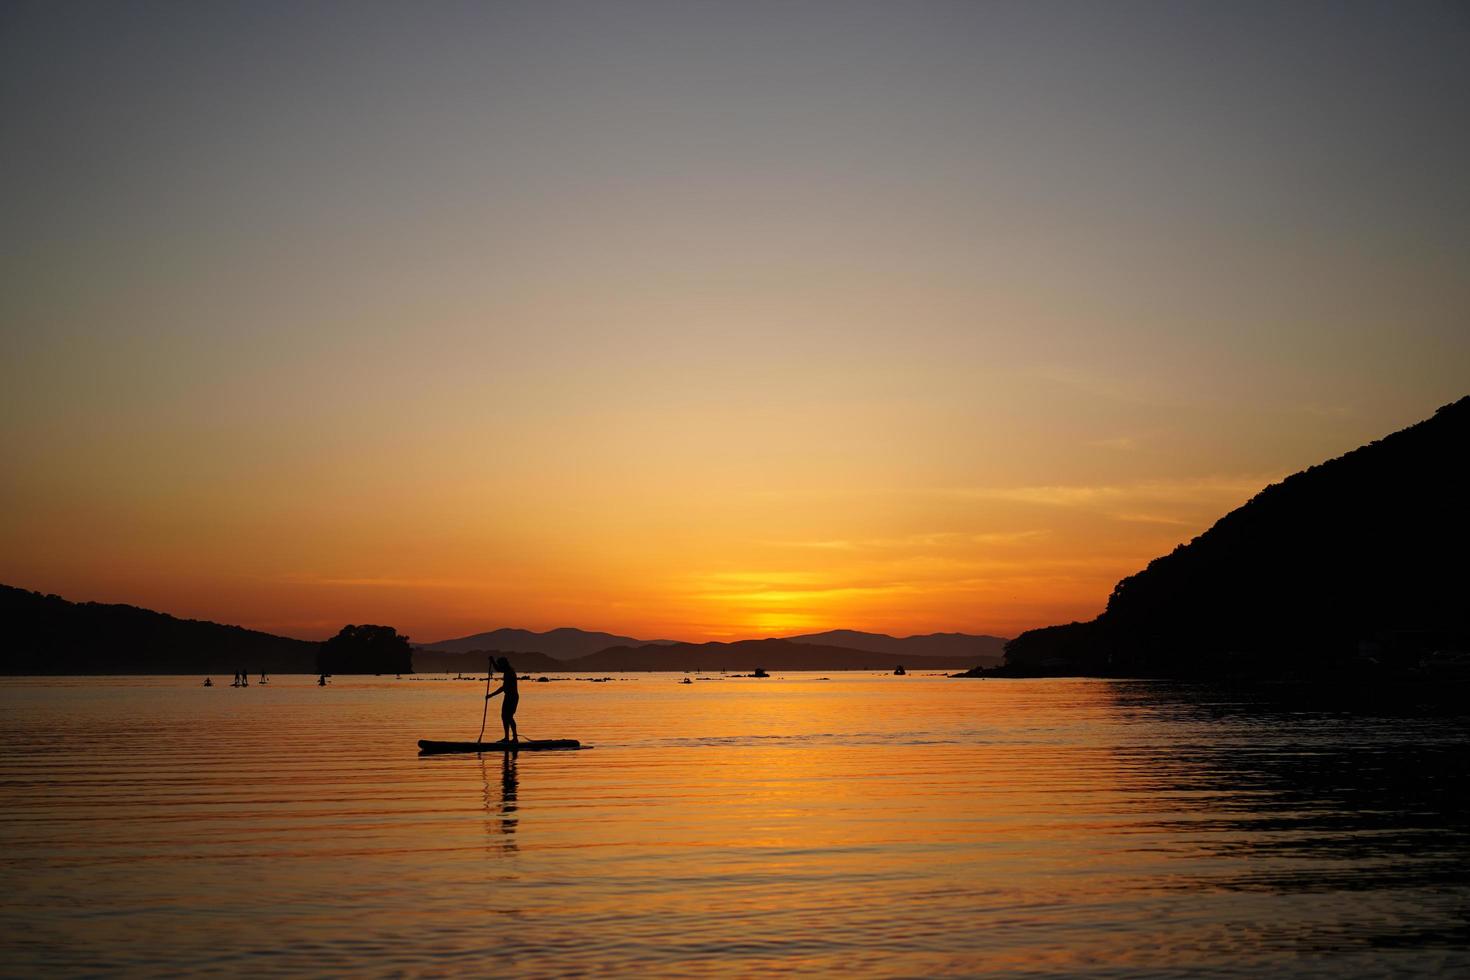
(1261, 794)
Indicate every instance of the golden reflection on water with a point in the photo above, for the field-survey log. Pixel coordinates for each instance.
(870, 824)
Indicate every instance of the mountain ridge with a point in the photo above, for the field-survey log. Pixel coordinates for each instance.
(570, 643)
(562, 643)
(746, 655)
(52, 635)
(980, 649)
(1354, 564)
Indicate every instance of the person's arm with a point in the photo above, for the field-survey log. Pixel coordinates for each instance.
(494, 692)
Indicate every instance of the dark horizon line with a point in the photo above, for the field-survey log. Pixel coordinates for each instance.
(768, 636)
(254, 629)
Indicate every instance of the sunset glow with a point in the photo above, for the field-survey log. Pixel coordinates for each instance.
(734, 488)
(710, 331)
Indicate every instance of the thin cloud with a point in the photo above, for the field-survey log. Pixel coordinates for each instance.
(1139, 518)
(382, 583)
(1190, 491)
(929, 539)
(802, 595)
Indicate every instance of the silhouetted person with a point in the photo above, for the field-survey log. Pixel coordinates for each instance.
(512, 698)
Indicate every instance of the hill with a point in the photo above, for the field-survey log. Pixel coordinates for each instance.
(1355, 564)
(427, 661)
(46, 634)
(50, 635)
(746, 655)
(974, 649)
(563, 644)
(741, 656)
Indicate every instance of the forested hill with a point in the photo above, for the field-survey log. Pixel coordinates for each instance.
(46, 634)
(1357, 563)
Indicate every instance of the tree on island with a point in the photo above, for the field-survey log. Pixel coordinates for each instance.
(366, 650)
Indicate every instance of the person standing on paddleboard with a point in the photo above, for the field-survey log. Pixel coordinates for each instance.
(512, 698)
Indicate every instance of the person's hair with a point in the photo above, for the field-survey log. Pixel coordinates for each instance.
(502, 664)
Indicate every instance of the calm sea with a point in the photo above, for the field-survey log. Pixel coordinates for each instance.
(875, 825)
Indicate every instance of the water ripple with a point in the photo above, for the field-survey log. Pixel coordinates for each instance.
(870, 825)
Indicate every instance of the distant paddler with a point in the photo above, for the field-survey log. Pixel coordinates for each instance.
(512, 699)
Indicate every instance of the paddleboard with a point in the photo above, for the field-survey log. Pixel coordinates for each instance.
(430, 747)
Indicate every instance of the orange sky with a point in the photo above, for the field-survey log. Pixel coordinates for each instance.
(301, 551)
(701, 321)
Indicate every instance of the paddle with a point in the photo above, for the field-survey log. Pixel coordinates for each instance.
(484, 715)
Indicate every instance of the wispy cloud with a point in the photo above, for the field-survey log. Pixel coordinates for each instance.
(809, 594)
(1134, 517)
(380, 583)
(1185, 491)
(907, 577)
(929, 539)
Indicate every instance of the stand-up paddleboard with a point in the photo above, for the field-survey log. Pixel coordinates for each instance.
(430, 747)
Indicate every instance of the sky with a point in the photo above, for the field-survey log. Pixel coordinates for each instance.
(702, 320)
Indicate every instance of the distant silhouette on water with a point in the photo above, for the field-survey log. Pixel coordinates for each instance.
(512, 698)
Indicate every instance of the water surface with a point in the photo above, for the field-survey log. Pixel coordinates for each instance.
(904, 826)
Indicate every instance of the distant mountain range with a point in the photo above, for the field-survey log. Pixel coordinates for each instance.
(569, 644)
(975, 649)
(742, 656)
(1354, 566)
(561, 644)
(47, 634)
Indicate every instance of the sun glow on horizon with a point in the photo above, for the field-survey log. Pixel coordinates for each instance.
(702, 321)
(1001, 561)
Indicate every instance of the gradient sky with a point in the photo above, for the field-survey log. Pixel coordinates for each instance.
(702, 320)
